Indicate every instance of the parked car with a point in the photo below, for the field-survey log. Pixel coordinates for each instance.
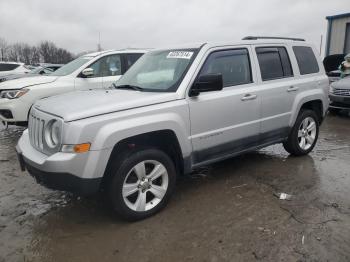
(40, 70)
(174, 111)
(7, 68)
(339, 95)
(95, 70)
(331, 64)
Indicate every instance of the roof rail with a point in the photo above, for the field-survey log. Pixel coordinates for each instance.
(272, 37)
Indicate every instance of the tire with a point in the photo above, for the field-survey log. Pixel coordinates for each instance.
(334, 111)
(133, 202)
(294, 144)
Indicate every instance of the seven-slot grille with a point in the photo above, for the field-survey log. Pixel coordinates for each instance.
(36, 131)
(341, 92)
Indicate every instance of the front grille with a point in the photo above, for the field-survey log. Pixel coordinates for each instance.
(36, 131)
(341, 92)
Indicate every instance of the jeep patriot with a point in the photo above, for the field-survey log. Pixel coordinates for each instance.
(176, 110)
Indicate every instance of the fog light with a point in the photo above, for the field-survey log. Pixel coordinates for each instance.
(6, 114)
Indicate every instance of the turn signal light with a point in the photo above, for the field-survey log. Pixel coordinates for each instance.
(80, 148)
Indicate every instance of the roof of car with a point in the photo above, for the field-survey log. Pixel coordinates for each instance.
(118, 51)
(233, 43)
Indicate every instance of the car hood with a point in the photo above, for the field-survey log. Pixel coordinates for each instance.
(343, 83)
(83, 104)
(27, 82)
(332, 62)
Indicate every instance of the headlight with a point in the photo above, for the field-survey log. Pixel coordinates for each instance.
(331, 89)
(12, 94)
(52, 133)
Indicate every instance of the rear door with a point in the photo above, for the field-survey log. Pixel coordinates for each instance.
(116, 66)
(227, 121)
(278, 91)
(131, 58)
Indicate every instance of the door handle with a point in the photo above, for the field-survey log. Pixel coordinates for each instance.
(292, 89)
(249, 97)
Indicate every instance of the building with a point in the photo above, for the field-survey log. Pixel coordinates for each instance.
(338, 34)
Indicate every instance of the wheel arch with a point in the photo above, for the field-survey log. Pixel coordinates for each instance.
(313, 102)
(165, 140)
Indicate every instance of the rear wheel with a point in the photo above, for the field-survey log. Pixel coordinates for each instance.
(142, 183)
(303, 136)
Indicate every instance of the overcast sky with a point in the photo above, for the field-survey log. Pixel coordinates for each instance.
(75, 25)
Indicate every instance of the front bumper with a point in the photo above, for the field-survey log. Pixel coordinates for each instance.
(19, 109)
(80, 174)
(341, 102)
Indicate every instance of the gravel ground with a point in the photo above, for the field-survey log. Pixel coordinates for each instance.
(224, 212)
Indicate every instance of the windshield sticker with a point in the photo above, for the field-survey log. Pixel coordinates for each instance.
(180, 54)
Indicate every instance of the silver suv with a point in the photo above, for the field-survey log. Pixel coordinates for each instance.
(174, 111)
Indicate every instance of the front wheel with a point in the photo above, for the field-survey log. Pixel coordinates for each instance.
(303, 136)
(142, 183)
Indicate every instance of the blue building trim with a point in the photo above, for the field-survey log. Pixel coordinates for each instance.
(329, 35)
(332, 17)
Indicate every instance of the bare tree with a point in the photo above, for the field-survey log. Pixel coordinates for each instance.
(14, 53)
(46, 52)
(35, 55)
(3, 49)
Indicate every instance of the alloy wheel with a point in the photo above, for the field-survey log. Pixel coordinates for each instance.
(145, 185)
(307, 133)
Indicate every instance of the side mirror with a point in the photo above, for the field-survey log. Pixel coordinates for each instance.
(207, 83)
(87, 72)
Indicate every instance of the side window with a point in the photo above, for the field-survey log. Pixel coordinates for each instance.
(8, 67)
(107, 66)
(131, 59)
(306, 59)
(233, 65)
(274, 63)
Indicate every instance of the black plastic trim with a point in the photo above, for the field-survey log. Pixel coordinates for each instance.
(63, 181)
(241, 145)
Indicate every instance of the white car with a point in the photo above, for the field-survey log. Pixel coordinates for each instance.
(8, 68)
(91, 71)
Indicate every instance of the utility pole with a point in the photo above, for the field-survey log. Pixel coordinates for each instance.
(321, 43)
(99, 49)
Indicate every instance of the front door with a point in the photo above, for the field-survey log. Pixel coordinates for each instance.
(107, 70)
(227, 121)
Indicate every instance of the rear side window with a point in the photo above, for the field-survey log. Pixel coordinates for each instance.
(233, 65)
(8, 67)
(306, 59)
(274, 63)
(131, 59)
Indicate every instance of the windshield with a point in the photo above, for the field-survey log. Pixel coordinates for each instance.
(36, 70)
(71, 66)
(158, 71)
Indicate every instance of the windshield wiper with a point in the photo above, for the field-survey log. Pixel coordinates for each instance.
(131, 87)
